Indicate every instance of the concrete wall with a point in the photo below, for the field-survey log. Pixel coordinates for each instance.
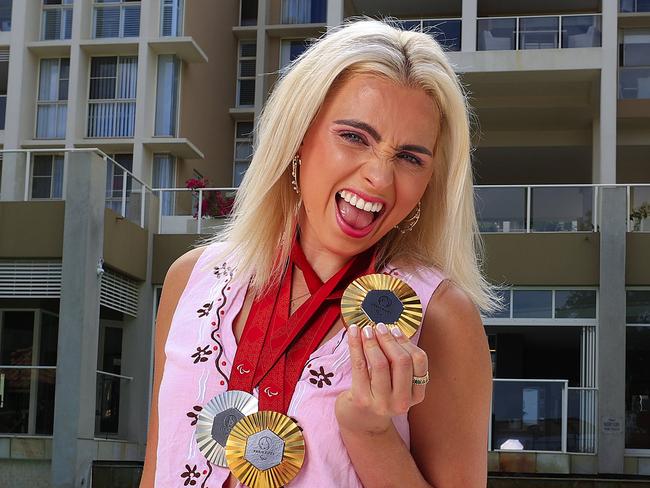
(31, 229)
(125, 245)
(569, 259)
(637, 259)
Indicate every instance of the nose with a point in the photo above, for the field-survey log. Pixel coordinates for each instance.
(378, 172)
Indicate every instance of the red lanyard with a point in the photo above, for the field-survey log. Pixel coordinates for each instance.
(274, 346)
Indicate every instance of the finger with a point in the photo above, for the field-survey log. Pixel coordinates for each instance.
(420, 364)
(360, 376)
(380, 382)
(401, 368)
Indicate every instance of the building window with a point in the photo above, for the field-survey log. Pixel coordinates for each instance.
(109, 380)
(116, 18)
(171, 23)
(118, 183)
(52, 106)
(28, 342)
(304, 11)
(243, 150)
(447, 32)
(635, 6)
(290, 49)
(167, 95)
(47, 176)
(248, 12)
(4, 75)
(57, 20)
(246, 74)
(634, 62)
(164, 176)
(111, 106)
(5, 15)
(637, 370)
(547, 304)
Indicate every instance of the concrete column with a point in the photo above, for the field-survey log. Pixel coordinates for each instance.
(604, 145)
(73, 447)
(468, 29)
(611, 332)
(263, 13)
(14, 166)
(335, 14)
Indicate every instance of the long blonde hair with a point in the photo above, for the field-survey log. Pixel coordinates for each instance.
(264, 214)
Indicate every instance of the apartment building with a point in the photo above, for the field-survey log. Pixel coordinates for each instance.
(126, 129)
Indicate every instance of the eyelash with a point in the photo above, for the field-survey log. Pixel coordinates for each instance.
(355, 138)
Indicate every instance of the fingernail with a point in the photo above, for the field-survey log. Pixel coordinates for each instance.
(367, 331)
(397, 332)
(353, 330)
(382, 329)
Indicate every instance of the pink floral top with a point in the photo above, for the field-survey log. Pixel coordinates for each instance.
(199, 352)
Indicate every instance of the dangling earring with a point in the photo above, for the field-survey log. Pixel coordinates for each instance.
(295, 162)
(410, 221)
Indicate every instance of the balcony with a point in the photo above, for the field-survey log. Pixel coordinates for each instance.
(126, 195)
(538, 32)
(180, 212)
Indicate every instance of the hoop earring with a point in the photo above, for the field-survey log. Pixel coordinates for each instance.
(411, 221)
(295, 162)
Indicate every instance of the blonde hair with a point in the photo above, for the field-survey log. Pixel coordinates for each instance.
(264, 214)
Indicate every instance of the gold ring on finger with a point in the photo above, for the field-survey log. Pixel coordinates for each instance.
(421, 380)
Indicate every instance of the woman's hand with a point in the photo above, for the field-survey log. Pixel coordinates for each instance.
(383, 365)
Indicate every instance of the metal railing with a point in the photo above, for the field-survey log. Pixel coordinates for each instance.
(538, 32)
(130, 199)
(215, 203)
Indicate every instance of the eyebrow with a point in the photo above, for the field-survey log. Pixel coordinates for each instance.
(377, 137)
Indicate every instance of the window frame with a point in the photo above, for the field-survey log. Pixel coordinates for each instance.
(64, 5)
(34, 367)
(51, 177)
(235, 159)
(118, 72)
(122, 4)
(179, 7)
(240, 78)
(178, 65)
(58, 102)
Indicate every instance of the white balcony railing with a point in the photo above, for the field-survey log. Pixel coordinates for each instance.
(538, 32)
(130, 197)
(115, 118)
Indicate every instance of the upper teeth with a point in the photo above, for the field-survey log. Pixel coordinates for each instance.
(360, 203)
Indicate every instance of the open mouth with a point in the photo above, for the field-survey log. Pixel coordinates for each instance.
(355, 214)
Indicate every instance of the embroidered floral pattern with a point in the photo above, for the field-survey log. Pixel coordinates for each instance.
(223, 270)
(194, 414)
(320, 377)
(201, 354)
(190, 474)
(205, 309)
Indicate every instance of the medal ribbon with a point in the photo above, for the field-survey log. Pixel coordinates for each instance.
(274, 345)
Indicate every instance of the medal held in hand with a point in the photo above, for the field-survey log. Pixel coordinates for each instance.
(384, 298)
(265, 450)
(217, 419)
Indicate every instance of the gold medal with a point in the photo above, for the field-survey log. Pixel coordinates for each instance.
(265, 450)
(376, 298)
(217, 419)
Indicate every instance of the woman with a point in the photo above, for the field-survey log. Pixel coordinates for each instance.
(363, 155)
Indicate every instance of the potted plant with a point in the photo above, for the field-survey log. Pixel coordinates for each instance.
(639, 214)
(214, 203)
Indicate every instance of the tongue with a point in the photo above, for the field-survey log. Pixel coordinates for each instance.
(353, 216)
